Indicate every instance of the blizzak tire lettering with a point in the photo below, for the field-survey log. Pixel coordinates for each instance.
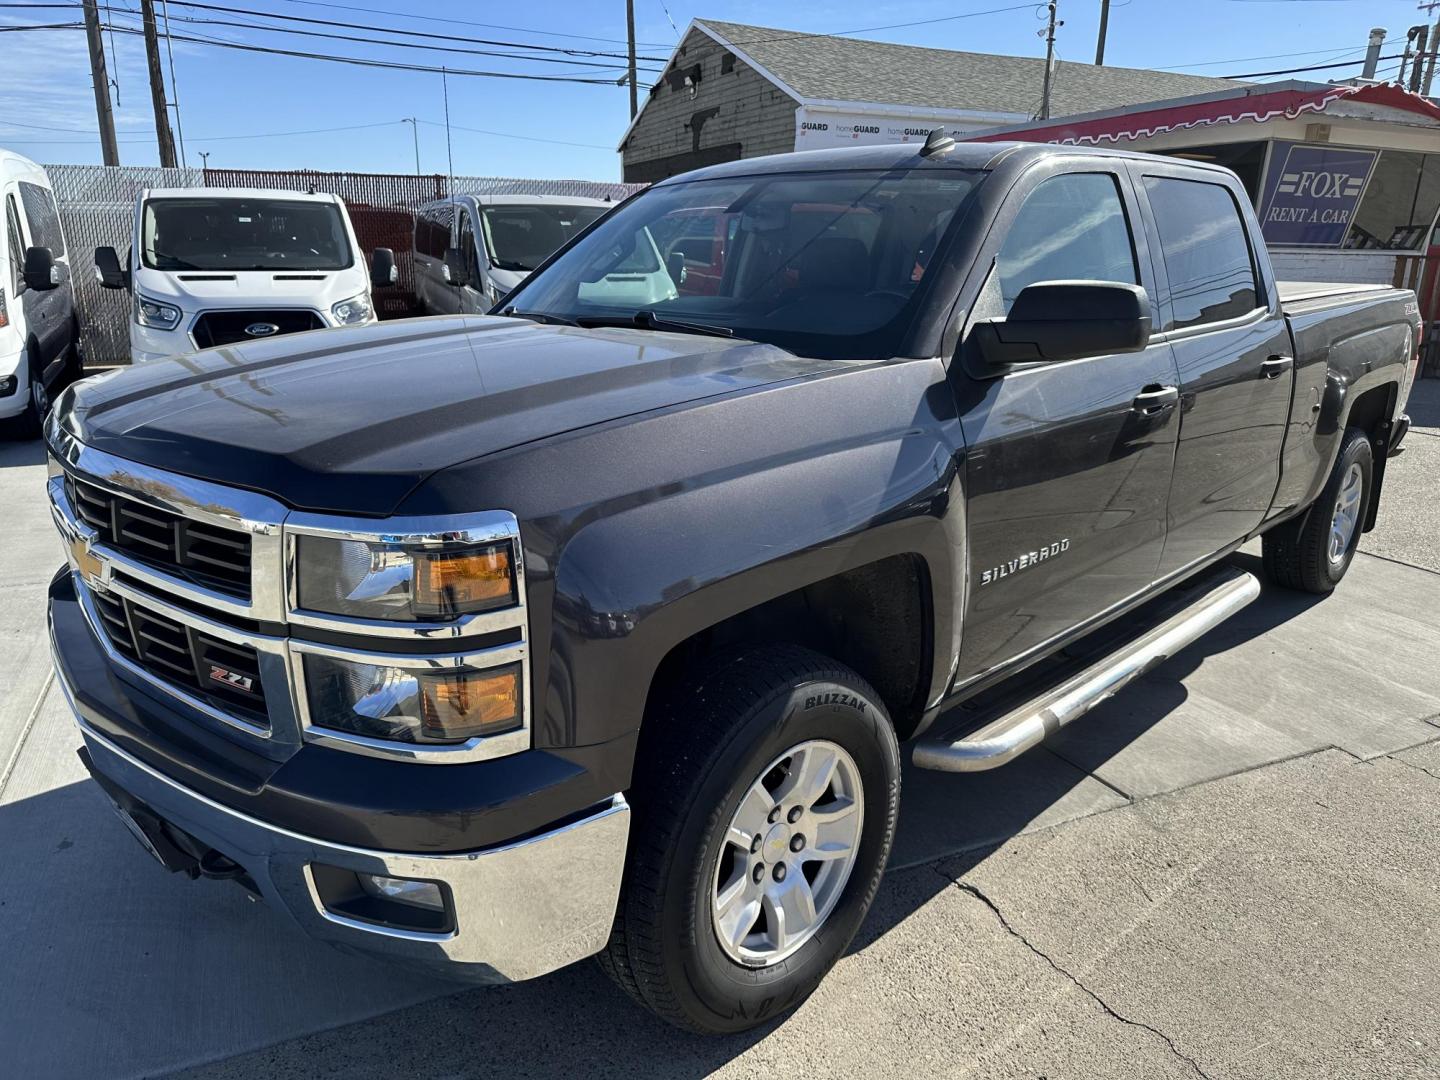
(851, 700)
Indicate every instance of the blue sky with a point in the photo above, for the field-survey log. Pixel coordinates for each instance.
(225, 94)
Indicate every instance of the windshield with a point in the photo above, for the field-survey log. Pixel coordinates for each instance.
(823, 264)
(243, 234)
(519, 237)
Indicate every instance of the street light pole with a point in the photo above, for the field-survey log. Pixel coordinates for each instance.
(414, 130)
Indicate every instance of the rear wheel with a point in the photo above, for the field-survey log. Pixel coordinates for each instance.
(1314, 556)
(764, 808)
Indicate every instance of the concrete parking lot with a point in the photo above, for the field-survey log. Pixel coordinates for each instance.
(1227, 871)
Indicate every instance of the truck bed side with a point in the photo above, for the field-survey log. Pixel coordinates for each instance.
(1354, 351)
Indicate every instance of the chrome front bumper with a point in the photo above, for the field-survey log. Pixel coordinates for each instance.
(521, 909)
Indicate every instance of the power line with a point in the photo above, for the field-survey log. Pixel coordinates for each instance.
(1312, 67)
(1270, 56)
(793, 35)
(403, 44)
(406, 33)
(487, 26)
(392, 65)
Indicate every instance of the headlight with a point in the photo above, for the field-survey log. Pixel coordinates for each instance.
(377, 580)
(355, 310)
(410, 704)
(156, 313)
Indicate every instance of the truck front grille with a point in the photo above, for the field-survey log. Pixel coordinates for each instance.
(227, 327)
(224, 674)
(207, 555)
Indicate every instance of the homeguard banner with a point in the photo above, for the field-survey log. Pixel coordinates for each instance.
(1311, 193)
(820, 129)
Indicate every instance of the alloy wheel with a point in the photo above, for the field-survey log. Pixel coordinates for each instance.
(788, 853)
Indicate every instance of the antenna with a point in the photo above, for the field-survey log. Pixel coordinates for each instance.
(937, 142)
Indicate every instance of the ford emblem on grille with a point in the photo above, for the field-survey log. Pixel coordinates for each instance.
(261, 329)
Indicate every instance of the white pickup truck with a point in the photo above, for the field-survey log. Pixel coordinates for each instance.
(215, 266)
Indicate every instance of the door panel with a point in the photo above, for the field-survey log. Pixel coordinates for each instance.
(1232, 426)
(1232, 351)
(1067, 474)
(1066, 491)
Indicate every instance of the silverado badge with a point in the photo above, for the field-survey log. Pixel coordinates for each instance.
(1023, 561)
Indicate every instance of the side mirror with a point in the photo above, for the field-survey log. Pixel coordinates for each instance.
(1066, 320)
(41, 270)
(383, 271)
(108, 271)
(676, 266)
(457, 273)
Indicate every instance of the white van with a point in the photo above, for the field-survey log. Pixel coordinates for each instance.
(39, 336)
(473, 249)
(214, 266)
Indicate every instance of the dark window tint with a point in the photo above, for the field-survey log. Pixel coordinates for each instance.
(44, 218)
(432, 229)
(221, 233)
(1207, 257)
(1072, 227)
(466, 244)
(16, 243)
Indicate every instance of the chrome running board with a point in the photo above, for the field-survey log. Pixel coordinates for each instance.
(1017, 730)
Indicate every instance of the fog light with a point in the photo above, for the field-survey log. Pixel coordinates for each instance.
(8, 383)
(421, 894)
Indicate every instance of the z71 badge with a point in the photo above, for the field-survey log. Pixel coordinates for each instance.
(226, 677)
(1024, 561)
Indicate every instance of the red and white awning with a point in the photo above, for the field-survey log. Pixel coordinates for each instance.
(1143, 121)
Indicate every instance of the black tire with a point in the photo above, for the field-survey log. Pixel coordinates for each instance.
(1300, 556)
(712, 741)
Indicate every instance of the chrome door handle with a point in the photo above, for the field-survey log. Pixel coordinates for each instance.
(1276, 366)
(1154, 400)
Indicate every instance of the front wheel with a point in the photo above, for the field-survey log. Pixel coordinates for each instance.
(1315, 556)
(764, 809)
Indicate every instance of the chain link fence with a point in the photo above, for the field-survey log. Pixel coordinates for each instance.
(97, 204)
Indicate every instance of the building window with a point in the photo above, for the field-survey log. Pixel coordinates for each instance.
(727, 63)
(1399, 204)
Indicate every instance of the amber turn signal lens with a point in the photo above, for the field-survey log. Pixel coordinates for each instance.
(449, 584)
(470, 703)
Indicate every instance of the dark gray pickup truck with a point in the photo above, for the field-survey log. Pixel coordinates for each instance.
(596, 626)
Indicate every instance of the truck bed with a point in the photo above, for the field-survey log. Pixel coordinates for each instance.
(1298, 292)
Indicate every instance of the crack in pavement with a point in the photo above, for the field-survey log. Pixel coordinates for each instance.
(1420, 768)
(1091, 994)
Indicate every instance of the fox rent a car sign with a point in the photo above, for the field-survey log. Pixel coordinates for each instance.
(1311, 193)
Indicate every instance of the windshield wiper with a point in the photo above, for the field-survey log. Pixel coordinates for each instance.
(646, 319)
(539, 316)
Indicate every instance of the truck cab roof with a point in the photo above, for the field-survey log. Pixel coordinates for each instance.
(963, 155)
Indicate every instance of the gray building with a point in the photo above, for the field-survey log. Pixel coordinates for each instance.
(732, 91)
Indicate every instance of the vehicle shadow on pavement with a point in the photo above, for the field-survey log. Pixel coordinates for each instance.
(114, 968)
(15, 453)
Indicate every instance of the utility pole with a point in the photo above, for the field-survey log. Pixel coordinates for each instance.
(1049, 60)
(415, 130)
(630, 69)
(1407, 54)
(109, 149)
(1420, 54)
(157, 86)
(1104, 25)
(1429, 9)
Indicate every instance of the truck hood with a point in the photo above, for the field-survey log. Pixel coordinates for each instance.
(350, 420)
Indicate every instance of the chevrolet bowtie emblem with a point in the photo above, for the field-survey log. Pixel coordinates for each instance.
(91, 568)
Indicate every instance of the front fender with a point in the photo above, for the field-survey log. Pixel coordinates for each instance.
(630, 587)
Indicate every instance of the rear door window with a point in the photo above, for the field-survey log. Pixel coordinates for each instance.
(1206, 251)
